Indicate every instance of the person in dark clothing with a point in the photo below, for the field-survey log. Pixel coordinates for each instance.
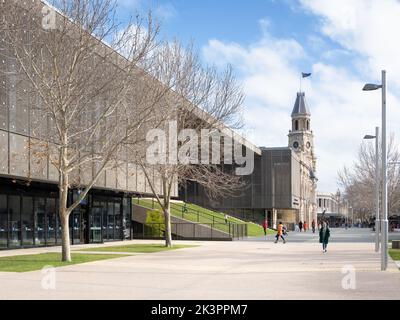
(324, 235)
(313, 226)
(301, 226)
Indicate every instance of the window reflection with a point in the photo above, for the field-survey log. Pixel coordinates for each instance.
(40, 216)
(27, 221)
(51, 221)
(110, 221)
(15, 221)
(3, 221)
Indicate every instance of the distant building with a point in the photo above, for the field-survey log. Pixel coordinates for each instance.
(333, 208)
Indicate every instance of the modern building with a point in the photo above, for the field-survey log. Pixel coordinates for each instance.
(281, 188)
(29, 195)
(283, 184)
(28, 185)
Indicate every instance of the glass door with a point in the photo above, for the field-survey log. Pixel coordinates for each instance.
(39, 211)
(14, 207)
(110, 221)
(96, 225)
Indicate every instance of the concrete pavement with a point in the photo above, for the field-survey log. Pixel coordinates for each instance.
(256, 269)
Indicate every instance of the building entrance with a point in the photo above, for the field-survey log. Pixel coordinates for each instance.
(95, 225)
(80, 225)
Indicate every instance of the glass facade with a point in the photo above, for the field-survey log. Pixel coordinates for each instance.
(27, 221)
(14, 224)
(51, 222)
(31, 219)
(39, 212)
(3, 222)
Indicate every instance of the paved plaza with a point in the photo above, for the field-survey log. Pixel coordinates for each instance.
(250, 269)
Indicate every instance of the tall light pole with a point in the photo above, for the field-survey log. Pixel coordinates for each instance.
(384, 222)
(377, 181)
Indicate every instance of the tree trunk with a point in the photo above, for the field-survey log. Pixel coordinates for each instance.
(64, 218)
(168, 234)
(66, 244)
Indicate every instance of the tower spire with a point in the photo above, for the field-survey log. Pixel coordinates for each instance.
(301, 107)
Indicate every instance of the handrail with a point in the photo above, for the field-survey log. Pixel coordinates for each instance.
(157, 230)
(189, 210)
(206, 215)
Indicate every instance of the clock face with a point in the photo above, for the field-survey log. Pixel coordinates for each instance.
(308, 145)
(295, 145)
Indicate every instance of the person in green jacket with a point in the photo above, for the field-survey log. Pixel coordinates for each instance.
(324, 234)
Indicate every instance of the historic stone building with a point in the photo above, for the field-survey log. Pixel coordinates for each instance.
(301, 140)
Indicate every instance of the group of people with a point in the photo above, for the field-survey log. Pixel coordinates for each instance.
(304, 226)
(324, 232)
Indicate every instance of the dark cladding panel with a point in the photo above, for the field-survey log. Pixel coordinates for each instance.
(269, 186)
(277, 178)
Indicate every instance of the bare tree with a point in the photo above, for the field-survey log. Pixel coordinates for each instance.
(359, 181)
(91, 94)
(202, 103)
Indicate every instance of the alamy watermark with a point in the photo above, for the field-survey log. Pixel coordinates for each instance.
(349, 280)
(48, 18)
(49, 278)
(188, 146)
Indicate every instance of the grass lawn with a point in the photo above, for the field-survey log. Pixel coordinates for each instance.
(255, 230)
(395, 254)
(25, 263)
(139, 248)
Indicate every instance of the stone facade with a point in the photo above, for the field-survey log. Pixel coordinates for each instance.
(301, 140)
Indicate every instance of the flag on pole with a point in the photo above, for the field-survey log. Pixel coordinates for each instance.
(305, 75)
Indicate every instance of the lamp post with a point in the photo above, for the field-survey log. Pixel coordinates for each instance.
(384, 222)
(377, 181)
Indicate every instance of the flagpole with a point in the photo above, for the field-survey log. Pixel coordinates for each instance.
(301, 77)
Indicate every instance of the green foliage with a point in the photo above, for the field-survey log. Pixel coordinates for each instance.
(155, 217)
(395, 254)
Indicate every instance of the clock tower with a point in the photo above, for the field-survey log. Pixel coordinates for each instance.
(301, 141)
(301, 138)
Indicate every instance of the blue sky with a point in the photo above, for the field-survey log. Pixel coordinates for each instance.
(344, 43)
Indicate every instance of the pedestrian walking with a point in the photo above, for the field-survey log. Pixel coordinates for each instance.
(313, 226)
(280, 233)
(301, 226)
(226, 218)
(305, 226)
(265, 226)
(184, 209)
(324, 234)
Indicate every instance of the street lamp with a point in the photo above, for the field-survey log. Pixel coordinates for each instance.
(377, 220)
(384, 222)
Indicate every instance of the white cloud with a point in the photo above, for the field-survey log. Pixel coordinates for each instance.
(165, 11)
(367, 27)
(341, 112)
(129, 4)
